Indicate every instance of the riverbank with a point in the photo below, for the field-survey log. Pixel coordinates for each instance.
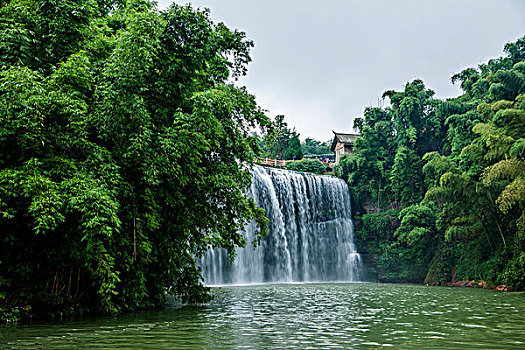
(474, 284)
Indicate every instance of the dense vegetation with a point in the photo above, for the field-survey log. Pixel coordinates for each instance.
(125, 152)
(440, 185)
(314, 166)
(311, 146)
(281, 141)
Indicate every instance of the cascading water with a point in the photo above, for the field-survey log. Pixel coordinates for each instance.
(310, 234)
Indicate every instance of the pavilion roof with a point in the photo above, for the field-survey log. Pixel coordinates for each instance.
(345, 138)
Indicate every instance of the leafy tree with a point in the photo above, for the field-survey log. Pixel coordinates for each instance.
(311, 146)
(124, 152)
(454, 169)
(367, 171)
(481, 190)
(408, 256)
(294, 150)
(282, 142)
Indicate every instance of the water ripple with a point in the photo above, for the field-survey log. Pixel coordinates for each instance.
(302, 316)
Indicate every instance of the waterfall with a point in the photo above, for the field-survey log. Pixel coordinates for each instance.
(310, 233)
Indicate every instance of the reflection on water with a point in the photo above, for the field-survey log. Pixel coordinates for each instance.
(302, 316)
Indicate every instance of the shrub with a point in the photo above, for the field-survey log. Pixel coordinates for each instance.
(307, 165)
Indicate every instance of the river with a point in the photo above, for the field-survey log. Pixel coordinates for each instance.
(301, 316)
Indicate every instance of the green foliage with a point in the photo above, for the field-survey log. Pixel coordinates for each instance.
(513, 272)
(374, 233)
(367, 171)
(435, 166)
(408, 255)
(311, 146)
(294, 150)
(417, 225)
(406, 176)
(376, 229)
(281, 142)
(456, 170)
(124, 153)
(516, 50)
(481, 194)
(386, 169)
(313, 166)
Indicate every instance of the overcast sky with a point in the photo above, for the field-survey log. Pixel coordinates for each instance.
(321, 62)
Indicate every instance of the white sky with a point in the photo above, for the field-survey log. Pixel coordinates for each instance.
(321, 62)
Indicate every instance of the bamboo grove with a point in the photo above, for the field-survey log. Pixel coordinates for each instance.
(440, 185)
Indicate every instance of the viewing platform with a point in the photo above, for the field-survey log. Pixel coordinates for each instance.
(276, 163)
(281, 164)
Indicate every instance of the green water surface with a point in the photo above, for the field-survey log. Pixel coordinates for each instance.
(302, 316)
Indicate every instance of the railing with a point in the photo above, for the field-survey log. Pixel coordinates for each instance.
(276, 163)
(279, 163)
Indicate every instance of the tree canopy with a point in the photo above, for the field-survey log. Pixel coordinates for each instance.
(280, 141)
(125, 152)
(444, 180)
(311, 146)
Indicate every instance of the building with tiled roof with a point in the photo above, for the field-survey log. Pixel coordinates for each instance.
(343, 144)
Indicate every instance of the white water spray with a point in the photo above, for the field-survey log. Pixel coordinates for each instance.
(310, 234)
